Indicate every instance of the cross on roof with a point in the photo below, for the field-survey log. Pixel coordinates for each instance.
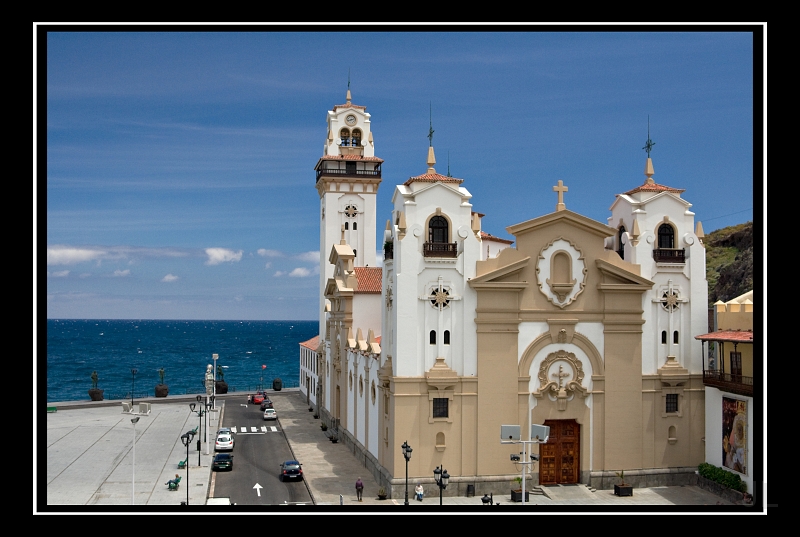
(560, 189)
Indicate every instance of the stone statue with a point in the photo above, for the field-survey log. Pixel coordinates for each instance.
(94, 380)
(220, 374)
(161, 375)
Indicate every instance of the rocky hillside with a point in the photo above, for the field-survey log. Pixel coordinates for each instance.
(729, 262)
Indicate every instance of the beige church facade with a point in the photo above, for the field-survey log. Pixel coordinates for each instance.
(581, 326)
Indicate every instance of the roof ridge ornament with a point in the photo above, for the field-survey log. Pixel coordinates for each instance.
(431, 157)
(648, 146)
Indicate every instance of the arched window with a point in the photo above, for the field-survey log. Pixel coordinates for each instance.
(356, 142)
(346, 226)
(447, 337)
(344, 134)
(663, 337)
(355, 226)
(437, 230)
(675, 337)
(666, 236)
(620, 246)
(433, 337)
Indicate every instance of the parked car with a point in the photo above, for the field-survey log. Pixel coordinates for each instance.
(258, 399)
(290, 470)
(223, 461)
(270, 414)
(266, 404)
(225, 431)
(224, 442)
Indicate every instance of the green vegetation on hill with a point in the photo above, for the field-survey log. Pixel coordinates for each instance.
(729, 262)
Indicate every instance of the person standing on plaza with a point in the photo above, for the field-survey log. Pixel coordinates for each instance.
(359, 488)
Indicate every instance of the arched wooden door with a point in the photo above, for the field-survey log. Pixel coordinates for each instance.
(559, 458)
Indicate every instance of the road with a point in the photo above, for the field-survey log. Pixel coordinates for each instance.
(259, 449)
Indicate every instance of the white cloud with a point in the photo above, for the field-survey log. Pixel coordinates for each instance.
(300, 272)
(60, 274)
(311, 257)
(268, 265)
(125, 272)
(263, 252)
(64, 255)
(169, 278)
(279, 273)
(222, 255)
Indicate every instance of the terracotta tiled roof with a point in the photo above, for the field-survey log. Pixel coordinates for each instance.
(486, 236)
(351, 157)
(348, 105)
(378, 340)
(370, 279)
(654, 187)
(433, 178)
(736, 336)
(312, 343)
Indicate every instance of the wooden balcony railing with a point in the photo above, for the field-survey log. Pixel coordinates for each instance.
(738, 384)
(440, 249)
(349, 173)
(669, 255)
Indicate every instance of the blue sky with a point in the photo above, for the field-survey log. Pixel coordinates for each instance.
(179, 179)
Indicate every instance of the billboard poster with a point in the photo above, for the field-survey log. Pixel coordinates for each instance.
(734, 434)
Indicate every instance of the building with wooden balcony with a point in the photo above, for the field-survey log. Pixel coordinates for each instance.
(730, 378)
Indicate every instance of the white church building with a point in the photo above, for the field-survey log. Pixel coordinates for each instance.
(583, 326)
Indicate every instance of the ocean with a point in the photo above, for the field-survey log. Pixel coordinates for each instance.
(77, 347)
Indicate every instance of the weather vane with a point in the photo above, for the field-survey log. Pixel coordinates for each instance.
(348, 78)
(650, 143)
(430, 129)
(448, 164)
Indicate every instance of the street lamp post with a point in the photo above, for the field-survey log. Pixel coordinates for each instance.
(407, 456)
(215, 357)
(209, 403)
(186, 439)
(200, 414)
(442, 478)
(133, 464)
(133, 383)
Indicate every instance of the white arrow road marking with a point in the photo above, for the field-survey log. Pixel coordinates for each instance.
(258, 488)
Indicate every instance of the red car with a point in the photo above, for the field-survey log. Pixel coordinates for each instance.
(258, 399)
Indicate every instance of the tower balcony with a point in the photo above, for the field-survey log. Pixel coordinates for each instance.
(350, 172)
(669, 255)
(440, 249)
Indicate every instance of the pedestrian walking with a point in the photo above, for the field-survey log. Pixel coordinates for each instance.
(359, 488)
(419, 492)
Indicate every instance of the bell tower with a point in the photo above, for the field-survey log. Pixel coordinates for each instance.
(347, 178)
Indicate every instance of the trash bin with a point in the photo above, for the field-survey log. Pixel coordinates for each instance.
(277, 384)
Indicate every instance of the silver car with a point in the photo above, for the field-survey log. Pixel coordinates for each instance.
(224, 442)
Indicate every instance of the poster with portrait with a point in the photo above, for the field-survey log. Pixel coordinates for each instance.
(734, 434)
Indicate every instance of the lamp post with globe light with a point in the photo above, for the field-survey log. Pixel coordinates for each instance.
(442, 478)
(186, 439)
(407, 456)
(133, 463)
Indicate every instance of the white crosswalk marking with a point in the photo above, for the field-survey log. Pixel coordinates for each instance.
(273, 429)
(253, 429)
(263, 428)
(233, 430)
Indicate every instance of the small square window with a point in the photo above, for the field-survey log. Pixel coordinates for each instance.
(672, 403)
(440, 407)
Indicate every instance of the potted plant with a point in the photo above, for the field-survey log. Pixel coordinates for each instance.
(323, 426)
(382, 493)
(220, 385)
(623, 489)
(516, 494)
(161, 389)
(95, 393)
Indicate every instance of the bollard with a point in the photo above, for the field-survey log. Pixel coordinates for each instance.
(341, 499)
